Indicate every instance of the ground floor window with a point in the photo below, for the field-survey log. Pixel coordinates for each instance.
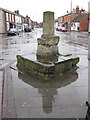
(11, 25)
(14, 26)
(7, 26)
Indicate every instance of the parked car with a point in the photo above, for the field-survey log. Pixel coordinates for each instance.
(64, 29)
(58, 28)
(12, 31)
(27, 29)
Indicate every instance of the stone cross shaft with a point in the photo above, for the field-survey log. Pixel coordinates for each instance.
(48, 23)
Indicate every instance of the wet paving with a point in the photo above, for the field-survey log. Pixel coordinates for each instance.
(28, 97)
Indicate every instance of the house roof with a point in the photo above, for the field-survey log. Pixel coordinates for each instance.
(5, 10)
(79, 17)
(86, 12)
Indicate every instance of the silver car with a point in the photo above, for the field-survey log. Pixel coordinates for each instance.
(12, 31)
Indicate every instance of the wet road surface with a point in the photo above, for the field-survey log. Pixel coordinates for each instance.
(26, 97)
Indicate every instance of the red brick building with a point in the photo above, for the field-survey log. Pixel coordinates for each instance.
(84, 24)
(9, 19)
(67, 19)
(80, 23)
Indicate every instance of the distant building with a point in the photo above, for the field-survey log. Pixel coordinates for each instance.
(61, 21)
(56, 23)
(9, 19)
(19, 20)
(68, 20)
(40, 24)
(28, 22)
(80, 23)
(35, 24)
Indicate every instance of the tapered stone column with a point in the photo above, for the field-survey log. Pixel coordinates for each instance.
(47, 44)
(48, 24)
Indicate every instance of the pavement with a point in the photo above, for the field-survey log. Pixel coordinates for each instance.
(25, 97)
(1, 83)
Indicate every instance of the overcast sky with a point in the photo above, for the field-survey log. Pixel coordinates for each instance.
(35, 8)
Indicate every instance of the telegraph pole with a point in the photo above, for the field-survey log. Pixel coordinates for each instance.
(71, 7)
(71, 14)
(89, 33)
(89, 17)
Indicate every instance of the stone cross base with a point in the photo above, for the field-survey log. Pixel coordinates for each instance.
(45, 70)
(47, 46)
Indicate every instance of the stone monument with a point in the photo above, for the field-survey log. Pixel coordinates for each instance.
(49, 62)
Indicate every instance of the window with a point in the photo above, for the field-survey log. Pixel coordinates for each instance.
(66, 18)
(7, 26)
(16, 19)
(7, 17)
(10, 17)
(71, 24)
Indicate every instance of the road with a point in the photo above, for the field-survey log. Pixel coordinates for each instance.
(63, 98)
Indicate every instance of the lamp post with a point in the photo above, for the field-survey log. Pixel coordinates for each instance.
(89, 17)
(70, 15)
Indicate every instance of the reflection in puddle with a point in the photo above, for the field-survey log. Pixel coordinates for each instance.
(49, 88)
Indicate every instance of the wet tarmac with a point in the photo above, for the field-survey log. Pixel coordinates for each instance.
(28, 97)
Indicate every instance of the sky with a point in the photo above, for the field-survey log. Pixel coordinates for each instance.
(35, 8)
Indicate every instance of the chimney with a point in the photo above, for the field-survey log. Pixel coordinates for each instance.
(77, 9)
(27, 16)
(15, 11)
(18, 12)
(82, 9)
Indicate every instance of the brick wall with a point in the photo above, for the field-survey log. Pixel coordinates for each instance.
(84, 24)
(68, 19)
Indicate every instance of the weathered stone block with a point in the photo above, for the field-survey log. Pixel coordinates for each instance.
(49, 41)
(52, 58)
(46, 50)
(33, 66)
(44, 69)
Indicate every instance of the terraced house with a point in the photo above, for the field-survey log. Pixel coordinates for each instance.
(74, 20)
(9, 19)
